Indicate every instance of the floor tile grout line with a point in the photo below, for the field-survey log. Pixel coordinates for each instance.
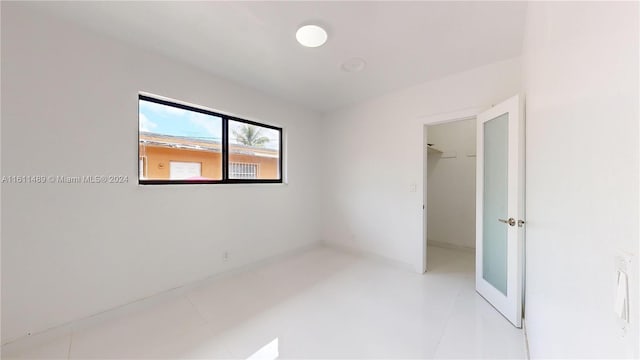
(449, 316)
(223, 345)
(70, 343)
(200, 314)
(526, 339)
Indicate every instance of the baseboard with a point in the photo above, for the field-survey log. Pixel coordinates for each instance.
(82, 323)
(371, 255)
(445, 245)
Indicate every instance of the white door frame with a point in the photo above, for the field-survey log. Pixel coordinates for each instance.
(435, 119)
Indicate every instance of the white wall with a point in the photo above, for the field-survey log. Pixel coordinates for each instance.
(581, 75)
(374, 155)
(451, 184)
(69, 107)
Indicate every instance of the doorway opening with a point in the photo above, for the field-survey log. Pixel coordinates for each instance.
(495, 179)
(450, 193)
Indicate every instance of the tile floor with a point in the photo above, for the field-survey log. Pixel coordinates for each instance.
(320, 304)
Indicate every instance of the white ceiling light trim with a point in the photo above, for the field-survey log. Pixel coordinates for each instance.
(311, 36)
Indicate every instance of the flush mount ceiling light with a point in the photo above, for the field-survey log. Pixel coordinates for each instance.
(311, 36)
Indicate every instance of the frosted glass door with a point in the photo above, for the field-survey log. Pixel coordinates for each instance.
(494, 237)
(500, 208)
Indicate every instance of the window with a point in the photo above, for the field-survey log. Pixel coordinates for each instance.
(179, 170)
(255, 148)
(243, 171)
(141, 168)
(183, 144)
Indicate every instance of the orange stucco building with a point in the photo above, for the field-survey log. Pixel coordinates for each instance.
(166, 157)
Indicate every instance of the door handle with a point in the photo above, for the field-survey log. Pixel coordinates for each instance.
(510, 221)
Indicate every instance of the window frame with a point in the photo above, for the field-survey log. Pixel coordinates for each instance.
(225, 147)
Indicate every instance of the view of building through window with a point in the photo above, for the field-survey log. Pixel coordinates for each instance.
(180, 143)
(253, 151)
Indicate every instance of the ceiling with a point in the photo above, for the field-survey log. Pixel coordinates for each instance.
(253, 43)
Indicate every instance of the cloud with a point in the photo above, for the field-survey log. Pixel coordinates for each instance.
(211, 125)
(146, 124)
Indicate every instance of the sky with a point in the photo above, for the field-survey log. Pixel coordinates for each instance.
(168, 120)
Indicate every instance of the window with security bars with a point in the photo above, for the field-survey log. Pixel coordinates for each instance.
(243, 171)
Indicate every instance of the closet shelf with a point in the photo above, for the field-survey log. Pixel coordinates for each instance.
(431, 148)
